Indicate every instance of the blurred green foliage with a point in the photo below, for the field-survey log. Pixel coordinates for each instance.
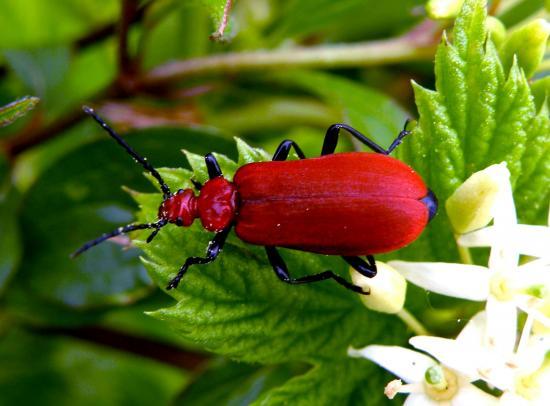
(75, 331)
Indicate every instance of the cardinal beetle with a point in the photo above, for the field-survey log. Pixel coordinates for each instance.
(347, 204)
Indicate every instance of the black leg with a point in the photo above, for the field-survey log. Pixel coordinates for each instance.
(214, 248)
(121, 230)
(281, 154)
(281, 271)
(367, 269)
(213, 167)
(331, 139)
(197, 184)
(160, 224)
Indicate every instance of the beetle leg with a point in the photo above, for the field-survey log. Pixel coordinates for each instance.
(281, 271)
(365, 268)
(196, 184)
(331, 139)
(213, 167)
(281, 154)
(214, 248)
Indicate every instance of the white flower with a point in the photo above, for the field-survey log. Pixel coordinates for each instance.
(426, 381)
(520, 373)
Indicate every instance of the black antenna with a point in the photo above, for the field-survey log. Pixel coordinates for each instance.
(121, 230)
(143, 161)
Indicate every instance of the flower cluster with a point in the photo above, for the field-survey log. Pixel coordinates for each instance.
(514, 366)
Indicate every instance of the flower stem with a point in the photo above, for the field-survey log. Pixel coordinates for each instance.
(465, 255)
(412, 322)
(417, 45)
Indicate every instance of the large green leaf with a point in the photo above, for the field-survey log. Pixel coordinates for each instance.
(478, 115)
(80, 197)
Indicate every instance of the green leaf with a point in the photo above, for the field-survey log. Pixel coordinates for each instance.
(520, 11)
(342, 19)
(541, 91)
(12, 111)
(80, 197)
(10, 238)
(198, 165)
(34, 23)
(60, 371)
(346, 381)
(369, 111)
(166, 20)
(479, 114)
(527, 44)
(248, 154)
(41, 70)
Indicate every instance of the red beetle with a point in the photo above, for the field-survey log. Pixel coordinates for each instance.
(347, 204)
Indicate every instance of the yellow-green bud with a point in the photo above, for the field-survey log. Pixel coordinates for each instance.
(387, 289)
(469, 207)
(497, 30)
(528, 44)
(443, 9)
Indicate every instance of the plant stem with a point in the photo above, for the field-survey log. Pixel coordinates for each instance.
(412, 323)
(417, 45)
(463, 252)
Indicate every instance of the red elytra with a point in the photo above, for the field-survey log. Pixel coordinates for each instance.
(347, 204)
(342, 204)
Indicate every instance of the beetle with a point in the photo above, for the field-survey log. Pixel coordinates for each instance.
(347, 204)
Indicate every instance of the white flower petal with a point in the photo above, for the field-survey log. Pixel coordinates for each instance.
(470, 395)
(522, 238)
(511, 399)
(407, 364)
(452, 354)
(473, 333)
(504, 210)
(484, 237)
(531, 240)
(541, 265)
(463, 281)
(532, 274)
(533, 355)
(504, 247)
(530, 305)
(501, 326)
(420, 399)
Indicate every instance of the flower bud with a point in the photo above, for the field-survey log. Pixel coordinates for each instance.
(469, 207)
(387, 289)
(443, 9)
(528, 44)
